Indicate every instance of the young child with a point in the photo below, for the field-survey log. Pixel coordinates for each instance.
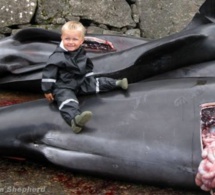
(68, 72)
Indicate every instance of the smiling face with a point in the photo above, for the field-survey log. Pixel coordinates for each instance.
(72, 39)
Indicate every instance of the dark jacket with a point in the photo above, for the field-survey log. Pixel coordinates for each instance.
(66, 69)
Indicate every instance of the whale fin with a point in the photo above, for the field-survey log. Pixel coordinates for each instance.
(205, 15)
(207, 10)
(36, 34)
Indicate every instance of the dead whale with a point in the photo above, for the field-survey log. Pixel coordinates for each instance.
(24, 54)
(152, 133)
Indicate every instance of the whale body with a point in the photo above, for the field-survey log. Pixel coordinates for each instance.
(151, 133)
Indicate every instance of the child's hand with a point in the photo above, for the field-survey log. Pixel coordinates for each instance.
(49, 97)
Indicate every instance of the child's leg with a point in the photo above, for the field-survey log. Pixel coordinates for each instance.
(68, 104)
(101, 84)
(106, 84)
(69, 108)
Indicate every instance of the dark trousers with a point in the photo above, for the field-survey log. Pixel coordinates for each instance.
(67, 100)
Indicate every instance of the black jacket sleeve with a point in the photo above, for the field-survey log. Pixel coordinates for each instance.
(49, 78)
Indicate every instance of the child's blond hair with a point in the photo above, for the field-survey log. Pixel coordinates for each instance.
(74, 25)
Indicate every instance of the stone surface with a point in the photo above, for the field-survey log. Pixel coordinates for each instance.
(15, 12)
(49, 11)
(150, 19)
(133, 32)
(159, 18)
(110, 12)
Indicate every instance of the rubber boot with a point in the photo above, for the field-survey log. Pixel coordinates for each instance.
(122, 83)
(80, 120)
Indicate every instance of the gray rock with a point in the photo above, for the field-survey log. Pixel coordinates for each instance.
(50, 10)
(135, 13)
(59, 21)
(110, 12)
(133, 32)
(5, 30)
(15, 12)
(159, 18)
(150, 19)
(94, 30)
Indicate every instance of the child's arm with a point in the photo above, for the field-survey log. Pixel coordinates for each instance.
(48, 81)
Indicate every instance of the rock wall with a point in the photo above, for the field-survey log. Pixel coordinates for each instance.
(142, 18)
